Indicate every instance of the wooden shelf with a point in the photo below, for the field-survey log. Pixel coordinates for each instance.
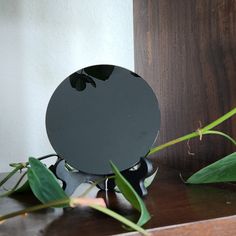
(220, 226)
(169, 201)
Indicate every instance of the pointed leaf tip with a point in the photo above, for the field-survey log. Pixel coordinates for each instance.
(130, 194)
(223, 170)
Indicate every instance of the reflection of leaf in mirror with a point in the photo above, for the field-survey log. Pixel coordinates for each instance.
(78, 81)
(101, 72)
(134, 74)
(91, 81)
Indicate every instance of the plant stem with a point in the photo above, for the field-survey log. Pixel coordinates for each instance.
(220, 120)
(66, 201)
(20, 166)
(94, 184)
(25, 164)
(36, 208)
(91, 187)
(197, 133)
(14, 188)
(120, 218)
(222, 134)
(10, 175)
(172, 142)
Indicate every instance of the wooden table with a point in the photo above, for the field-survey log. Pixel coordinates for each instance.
(169, 201)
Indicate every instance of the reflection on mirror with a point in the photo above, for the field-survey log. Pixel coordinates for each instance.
(79, 79)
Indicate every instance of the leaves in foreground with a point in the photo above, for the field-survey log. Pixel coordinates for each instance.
(120, 218)
(223, 170)
(130, 194)
(97, 204)
(147, 182)
(23, 188)
(18, 187)
(45, 187)
(43, 183)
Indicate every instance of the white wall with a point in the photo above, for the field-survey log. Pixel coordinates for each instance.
(41, 43)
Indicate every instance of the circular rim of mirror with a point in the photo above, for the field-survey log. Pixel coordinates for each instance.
(102, 113)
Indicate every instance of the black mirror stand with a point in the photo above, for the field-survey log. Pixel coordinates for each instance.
(72, 179)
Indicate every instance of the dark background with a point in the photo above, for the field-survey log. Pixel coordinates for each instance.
(186, 51)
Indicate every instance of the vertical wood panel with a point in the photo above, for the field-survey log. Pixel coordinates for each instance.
(186, 50)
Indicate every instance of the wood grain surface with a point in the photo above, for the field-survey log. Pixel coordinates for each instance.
(169, 202)
(186, 51)
(224, 226)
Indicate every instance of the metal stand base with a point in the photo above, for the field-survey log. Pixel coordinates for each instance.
(72, 179)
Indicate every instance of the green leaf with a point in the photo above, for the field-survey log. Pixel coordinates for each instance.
(18, 187)
(129, 193)
(15, 190)
(43, 183)
(24, 188)
(223, 170)
(119, 218)
(148, 181)
(6, 178)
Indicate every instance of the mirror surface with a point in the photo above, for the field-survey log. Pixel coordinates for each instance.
(102, 113)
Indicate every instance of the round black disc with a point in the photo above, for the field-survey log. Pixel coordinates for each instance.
(102, 113)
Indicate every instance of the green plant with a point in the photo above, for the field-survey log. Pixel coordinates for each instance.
(45, 187)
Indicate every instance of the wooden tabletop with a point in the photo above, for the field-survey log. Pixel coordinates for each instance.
(169, 201)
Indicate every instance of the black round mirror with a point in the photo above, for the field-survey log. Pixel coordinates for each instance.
(102, 113)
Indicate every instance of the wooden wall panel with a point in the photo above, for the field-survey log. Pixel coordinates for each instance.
(186, 51)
